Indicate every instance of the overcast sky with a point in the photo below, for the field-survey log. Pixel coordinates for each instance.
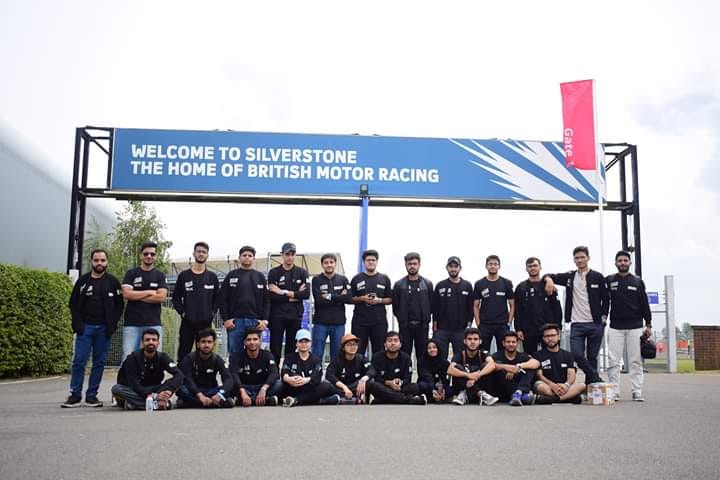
(451, 69)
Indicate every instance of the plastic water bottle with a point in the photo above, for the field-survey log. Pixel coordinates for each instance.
(596, 395)
(149, 403)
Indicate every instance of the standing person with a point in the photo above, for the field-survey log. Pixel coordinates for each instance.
(145, 290)
(433, 379)
(629, 306)
(255, 373)
(142, 373)
(371, 292)
(288, 288)
(200, 369)
(515, 372)
(493, 306)
(412, 306)
(534, 307)
(393, 375)
(95, 306)
(452, 309)
(556, 375)
(331, 291)
(350, 372)
(472, 371)
(196, 298)
(302, 376)
(243, 300)
(586, 305)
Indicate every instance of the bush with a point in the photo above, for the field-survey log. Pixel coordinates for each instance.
(35, 333)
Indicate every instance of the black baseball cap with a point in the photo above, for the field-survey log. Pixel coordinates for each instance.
(288, 247)
(454, 260)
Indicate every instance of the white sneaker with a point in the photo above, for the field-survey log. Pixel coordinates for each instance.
(487, 399)
(289, 402)
(637, 397)
(460, 398)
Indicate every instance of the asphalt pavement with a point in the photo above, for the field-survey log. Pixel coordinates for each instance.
(674, 434)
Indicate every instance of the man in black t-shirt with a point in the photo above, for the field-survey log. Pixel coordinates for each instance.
(95, 305)
(287, 284)
(452, 309)
(472, 370)
(412, 306)
(331, 292)
(200, 370)
(534, 307)
(371, 292)
(492, 297)
(145, 290)
(196, 299)
(556, 375)
(514, 372)
(255, 374)
(393, 375)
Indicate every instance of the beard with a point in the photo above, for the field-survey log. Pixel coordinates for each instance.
(99, 268)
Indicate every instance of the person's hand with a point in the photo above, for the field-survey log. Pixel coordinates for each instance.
(509, 376)
(549, 286)
(347, 393)
(216, 400)
(245, 398)
(261, 397)
(470, 383)
(205, 401)
(361, 389)
(275, 289)
(262, 325)
(229, 323)
(164, 395)
(521, 335)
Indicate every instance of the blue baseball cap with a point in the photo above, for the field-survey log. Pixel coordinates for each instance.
(302, 335)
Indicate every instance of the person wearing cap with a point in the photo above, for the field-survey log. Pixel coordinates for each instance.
(331, 291)
(288, 288)
(350, 372)
(412, 306)
(302, 376)
(393, 375)
(494, 305)
(243, 300)
(452, 309)
(371, 292)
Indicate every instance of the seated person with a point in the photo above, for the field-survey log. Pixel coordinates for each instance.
(515, 372)
(351, 373)
(302, 375)
(142, 374)
(256, 380)
(393, 374)
(471, 372)
(200, 370)
(433, 379)
(556, 375)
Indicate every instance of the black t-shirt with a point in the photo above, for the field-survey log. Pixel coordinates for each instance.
(199, 373)
(501, 358)
(253, 371)
(555, 365)
(470, 364)
(196, 297)
(243, 289)
(392, 368)
(493, 296)
(362, 284)
(349, 371)
(414, 309)
(452, 305)
(139, 313)
(94, 308)
(291, 280)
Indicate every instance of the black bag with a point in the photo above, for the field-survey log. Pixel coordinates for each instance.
(648, 349)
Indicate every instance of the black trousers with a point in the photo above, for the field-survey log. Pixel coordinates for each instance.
(370, 386)
(532, 343)
(488, 332)
(279, 327)
(308, 394)
(504, 388)
(446, 337)
(415, 334)
(186, 342)
(384, 394)
(373, 334)
(487, 383)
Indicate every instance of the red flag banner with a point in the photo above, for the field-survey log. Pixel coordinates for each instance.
(579, 124)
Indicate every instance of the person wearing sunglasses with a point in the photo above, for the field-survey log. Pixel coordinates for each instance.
(144, 288)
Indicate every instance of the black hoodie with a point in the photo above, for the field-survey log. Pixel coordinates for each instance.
(433, 369)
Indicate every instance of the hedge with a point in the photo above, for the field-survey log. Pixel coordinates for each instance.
(35, 333)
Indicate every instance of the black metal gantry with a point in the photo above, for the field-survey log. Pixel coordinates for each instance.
(102, 138)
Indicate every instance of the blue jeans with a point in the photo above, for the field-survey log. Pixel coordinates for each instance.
(320, 332)
(132, 336)
(93, 337)
(236, 336)
(585, 340)
(191, 400)
(253, 390)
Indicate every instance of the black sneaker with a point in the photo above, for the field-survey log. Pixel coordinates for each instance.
(93, 402)
(271, 401)
(72, 402)
(418, 400)
(227, 403)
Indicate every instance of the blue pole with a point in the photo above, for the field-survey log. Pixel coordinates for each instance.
(363, 230)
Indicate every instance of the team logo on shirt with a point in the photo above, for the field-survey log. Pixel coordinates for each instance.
(153, 284)
(209, 287)
(485, 292)
(500, 294)
(323, 286)
(361, 285)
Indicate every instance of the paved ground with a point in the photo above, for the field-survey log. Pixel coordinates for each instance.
(675, 434)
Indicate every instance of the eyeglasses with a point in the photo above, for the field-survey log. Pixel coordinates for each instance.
(149, 254)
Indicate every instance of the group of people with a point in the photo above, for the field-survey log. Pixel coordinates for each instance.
(457, 314)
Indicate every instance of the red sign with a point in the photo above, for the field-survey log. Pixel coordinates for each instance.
(579, 124)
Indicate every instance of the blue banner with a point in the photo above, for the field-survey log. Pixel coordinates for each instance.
(336, 165)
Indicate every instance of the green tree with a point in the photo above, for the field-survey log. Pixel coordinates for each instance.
(136, 223)
(687, 331)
